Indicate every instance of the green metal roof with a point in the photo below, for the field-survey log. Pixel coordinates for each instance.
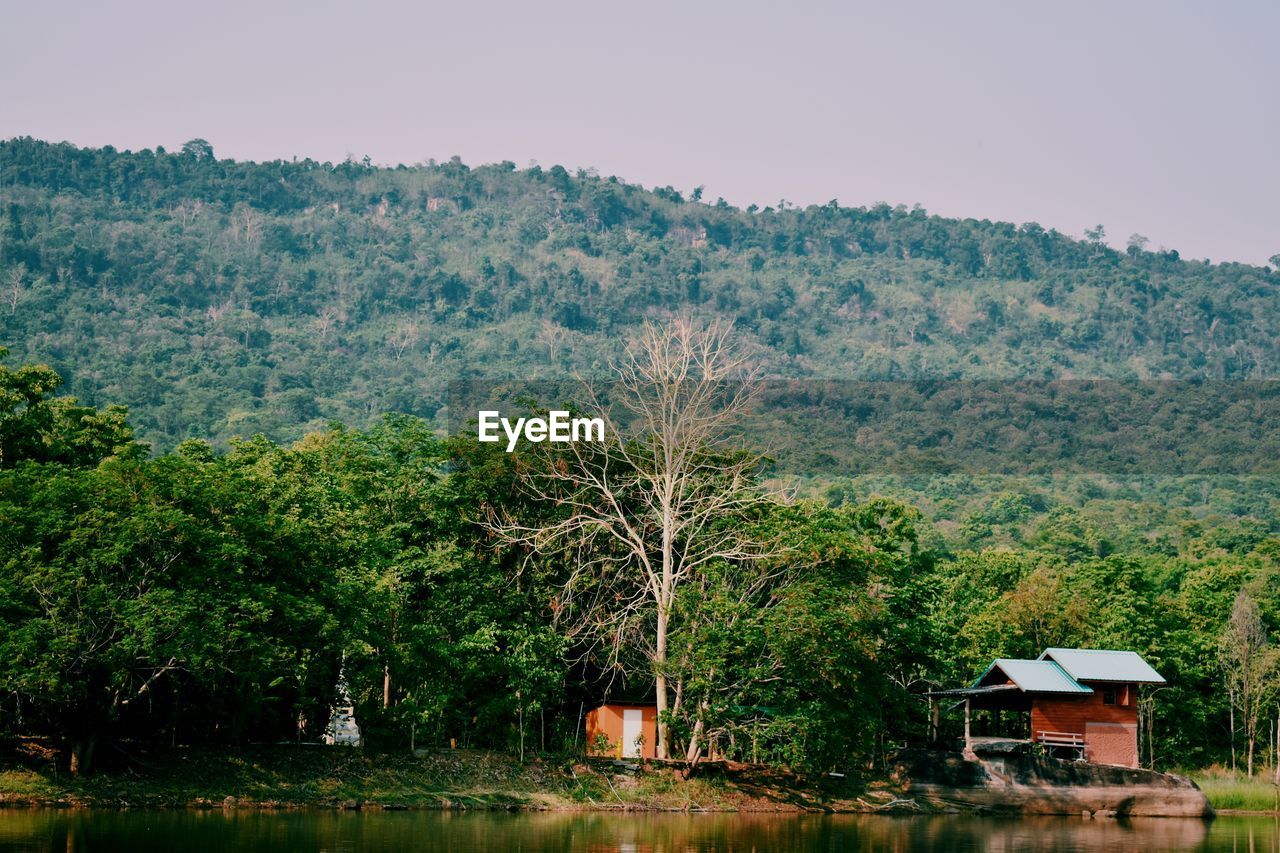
(1103, 665)
(1036, 676)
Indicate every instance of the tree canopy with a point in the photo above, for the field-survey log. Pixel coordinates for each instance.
(217, 298)
(205, 596)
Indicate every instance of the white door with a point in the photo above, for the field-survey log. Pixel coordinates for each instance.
(632, 727)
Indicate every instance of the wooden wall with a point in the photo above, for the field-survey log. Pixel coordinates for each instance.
(607, 720)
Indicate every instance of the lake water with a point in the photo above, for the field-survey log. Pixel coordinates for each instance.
(83, 831)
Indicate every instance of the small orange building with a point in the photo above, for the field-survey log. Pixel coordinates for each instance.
(1082, 701)
(623, 731)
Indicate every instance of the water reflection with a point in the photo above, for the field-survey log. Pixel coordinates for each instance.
(335, 832)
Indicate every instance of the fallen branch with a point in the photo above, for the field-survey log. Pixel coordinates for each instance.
(892, 804)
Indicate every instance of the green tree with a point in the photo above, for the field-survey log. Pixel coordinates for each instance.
(198, 149)
(36, 426)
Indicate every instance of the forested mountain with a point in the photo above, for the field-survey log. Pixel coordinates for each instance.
(216, 298)
(230, 584)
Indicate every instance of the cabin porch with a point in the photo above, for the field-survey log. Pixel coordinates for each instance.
(1000, 714)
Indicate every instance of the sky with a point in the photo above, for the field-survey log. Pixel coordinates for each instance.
(1157, 118)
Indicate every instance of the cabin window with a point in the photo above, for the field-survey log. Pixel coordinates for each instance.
(1110, 696)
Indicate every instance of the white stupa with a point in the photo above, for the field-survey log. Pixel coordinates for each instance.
(342, 729)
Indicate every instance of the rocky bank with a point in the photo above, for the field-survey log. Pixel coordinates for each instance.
(1008, 778)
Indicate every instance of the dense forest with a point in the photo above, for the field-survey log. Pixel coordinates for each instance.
(252, 491)
(200, 596)
(217, 298)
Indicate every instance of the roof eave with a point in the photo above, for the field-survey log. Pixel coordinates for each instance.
(1123, 680)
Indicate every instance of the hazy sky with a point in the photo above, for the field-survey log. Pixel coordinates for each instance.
(1156, 117)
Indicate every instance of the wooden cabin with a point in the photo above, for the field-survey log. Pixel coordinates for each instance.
(1082, 702)
(623, 731)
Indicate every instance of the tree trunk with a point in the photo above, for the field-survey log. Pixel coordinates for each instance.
(1151, 737)
(1277, 762)
(660, 684)
(1271, 742)
(665, 596)
(82, 755)
(694, 752)
(1249, 723)
(1231, 718)
(966, 724)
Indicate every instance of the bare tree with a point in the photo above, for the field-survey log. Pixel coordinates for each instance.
(1247, 664)
(552, 335)
(653, 506)
(405, 336)
(324, 322)
(14, 285)
(187, 211)
(247, 222)
(1147, 722)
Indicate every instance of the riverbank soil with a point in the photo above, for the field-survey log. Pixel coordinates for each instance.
(349, 778)
(344, 777)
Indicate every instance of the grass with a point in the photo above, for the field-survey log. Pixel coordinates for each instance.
(24, 783)
(291, 776)
(296, 776)
(1229, 791)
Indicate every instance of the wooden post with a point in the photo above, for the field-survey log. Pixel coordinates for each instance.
(997, 723)
(936, 711)
(966, 723)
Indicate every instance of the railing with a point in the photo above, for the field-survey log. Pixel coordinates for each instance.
(1060, 739)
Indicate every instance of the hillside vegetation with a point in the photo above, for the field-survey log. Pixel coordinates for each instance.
(216, 298)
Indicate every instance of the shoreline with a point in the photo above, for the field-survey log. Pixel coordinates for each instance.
(280, 778)
(601, 808)
(454, 806)
(284, 778)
